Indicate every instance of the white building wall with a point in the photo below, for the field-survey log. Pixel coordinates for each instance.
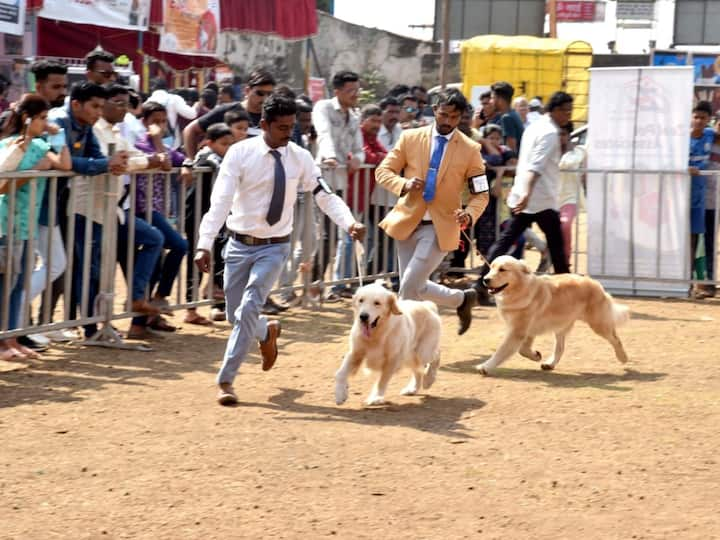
(628, 37)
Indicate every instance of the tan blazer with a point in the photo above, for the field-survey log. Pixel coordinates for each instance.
(411, 155)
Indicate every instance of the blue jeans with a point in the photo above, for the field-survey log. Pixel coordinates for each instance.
(151, 241)
(168, 267)
(79, 255)
(16, 284)
(344, 261)
(250, 273)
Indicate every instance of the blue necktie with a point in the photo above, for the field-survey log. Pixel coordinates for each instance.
(278, 196)
(431, 180)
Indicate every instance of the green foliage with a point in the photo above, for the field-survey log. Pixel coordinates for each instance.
(374, 87)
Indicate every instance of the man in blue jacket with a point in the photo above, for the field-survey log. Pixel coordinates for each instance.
(76, 119)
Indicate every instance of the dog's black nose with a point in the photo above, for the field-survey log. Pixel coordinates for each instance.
(364, 317)
(486, 281)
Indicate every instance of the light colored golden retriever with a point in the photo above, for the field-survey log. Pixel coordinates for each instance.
(388, 334)
(532, 305)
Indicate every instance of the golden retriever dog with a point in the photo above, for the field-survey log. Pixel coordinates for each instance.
(531, 305)
(389, 334)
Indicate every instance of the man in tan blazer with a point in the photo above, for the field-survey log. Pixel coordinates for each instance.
(429, 168)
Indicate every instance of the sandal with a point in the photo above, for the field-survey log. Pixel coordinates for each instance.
(161, 324)
(198, 319)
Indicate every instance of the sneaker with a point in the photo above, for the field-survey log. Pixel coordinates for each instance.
(332, 298)
(545, 263)
(61, 336)
(42, 339)
(27, 341)
(217, 314)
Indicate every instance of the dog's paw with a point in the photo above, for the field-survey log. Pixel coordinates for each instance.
(341, 392)
(410, 390)
(375, 400)
(482, 369)
(547, 366)
(429, 376)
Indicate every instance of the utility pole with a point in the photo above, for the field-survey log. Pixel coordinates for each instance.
(445, 42)
(552, 17)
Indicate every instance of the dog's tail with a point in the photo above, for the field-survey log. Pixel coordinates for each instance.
(620, 313)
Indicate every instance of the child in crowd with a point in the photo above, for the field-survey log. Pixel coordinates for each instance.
(154, 118)
(238, 121)
(23, 150)
(218, 138)
(702, 138)
(570, 187)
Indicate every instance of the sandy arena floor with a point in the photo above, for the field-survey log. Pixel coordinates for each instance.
(104, 444)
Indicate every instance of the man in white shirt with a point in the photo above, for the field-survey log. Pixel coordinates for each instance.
(175, 105)
(340, 152)
(383, 200)
(257, 186)
(534, 195)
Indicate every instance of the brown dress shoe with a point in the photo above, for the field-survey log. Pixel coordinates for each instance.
(268, 348)
(144, 307)
(226, 395)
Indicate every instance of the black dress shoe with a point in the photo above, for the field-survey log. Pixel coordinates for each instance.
(279, 307)
(464, 311)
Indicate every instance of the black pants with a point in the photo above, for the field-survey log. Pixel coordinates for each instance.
(549, 223)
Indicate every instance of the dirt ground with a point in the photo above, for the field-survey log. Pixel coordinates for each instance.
(98, 443)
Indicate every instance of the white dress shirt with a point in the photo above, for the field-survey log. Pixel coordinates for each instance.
(338, 134)
(175, 106)
(383, 197)
(106, 134)
(539, 153)
(244, 188)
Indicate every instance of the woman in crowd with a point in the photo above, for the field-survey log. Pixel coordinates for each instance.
(23, 150)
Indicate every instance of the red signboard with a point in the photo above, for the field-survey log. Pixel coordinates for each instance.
(575, 11)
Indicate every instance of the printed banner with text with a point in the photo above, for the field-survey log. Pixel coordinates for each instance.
(639, 223)
(12, 17)
(191, 27)
(128, 14)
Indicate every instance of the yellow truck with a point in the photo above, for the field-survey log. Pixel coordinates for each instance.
(534, 66)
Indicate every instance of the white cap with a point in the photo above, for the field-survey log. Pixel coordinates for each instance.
(535, 102)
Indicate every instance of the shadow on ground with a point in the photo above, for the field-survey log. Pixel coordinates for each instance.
(432, 414)
(560, 379)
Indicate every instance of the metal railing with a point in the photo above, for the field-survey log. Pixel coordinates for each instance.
(322, 257)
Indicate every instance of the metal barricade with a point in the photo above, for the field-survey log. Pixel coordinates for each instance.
(90, 284)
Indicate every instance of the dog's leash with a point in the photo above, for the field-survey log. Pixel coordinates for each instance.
(360, 260)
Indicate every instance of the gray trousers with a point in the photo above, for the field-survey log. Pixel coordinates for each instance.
(250, 273)
(418, 257)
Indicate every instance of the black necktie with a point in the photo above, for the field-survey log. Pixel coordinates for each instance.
(278, 197)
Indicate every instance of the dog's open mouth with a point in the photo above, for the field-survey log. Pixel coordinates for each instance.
(367, 326)
(496, 290)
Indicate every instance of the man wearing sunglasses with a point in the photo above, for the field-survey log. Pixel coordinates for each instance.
(100, 69)
(408, 111)
(259, 86)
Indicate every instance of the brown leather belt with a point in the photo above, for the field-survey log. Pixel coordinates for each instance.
(253, 241)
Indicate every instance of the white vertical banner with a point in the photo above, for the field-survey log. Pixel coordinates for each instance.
(639, 223)
(12, 17)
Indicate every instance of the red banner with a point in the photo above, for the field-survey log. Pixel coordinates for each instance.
(575, 11)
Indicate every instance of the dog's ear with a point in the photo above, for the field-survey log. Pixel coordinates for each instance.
(394, 308)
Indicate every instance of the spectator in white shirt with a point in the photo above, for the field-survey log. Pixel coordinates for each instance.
(340, 152)
(257, 186)
(175, 106)
(534, 195)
